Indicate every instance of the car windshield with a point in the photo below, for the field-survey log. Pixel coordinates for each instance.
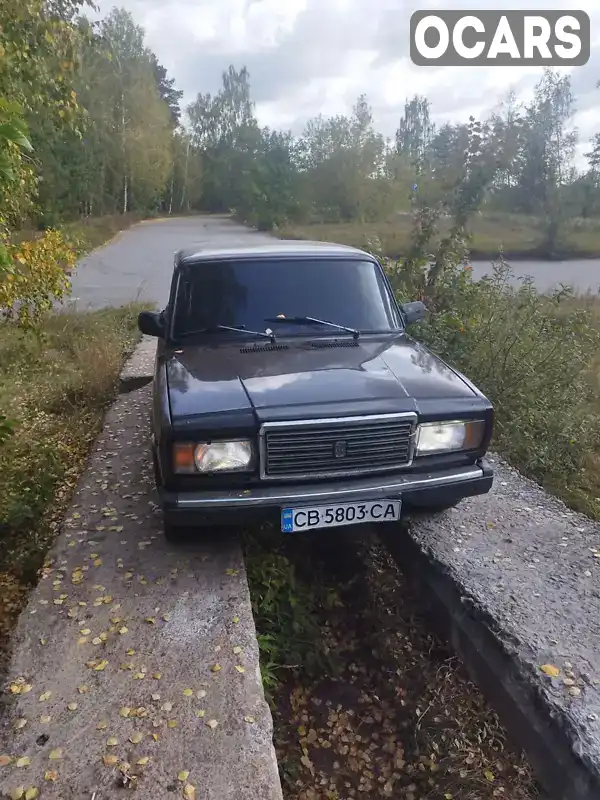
(250, 293)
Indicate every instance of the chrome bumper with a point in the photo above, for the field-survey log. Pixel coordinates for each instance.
(371, 488)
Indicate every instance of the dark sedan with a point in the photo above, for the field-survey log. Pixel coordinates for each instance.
(287, 388)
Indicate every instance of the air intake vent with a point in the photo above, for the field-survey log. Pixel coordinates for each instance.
(263, 348)
(336, 343)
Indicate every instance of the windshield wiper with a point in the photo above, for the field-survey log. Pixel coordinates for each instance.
(313, 321)
(239, 329)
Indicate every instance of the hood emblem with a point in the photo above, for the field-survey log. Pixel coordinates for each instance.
(340, 449)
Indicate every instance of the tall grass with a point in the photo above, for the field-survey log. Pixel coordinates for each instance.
(55, 384)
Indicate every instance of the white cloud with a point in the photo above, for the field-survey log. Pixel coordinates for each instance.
(316, 56)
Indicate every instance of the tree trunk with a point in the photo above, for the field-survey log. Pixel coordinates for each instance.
(187, 158)
(171, 195)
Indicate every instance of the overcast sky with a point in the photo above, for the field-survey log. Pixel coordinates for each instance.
(312, 56)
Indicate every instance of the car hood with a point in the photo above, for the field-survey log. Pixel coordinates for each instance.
(379, 375)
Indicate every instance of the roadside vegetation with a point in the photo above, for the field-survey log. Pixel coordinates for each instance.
(56, 380)
(516, 236)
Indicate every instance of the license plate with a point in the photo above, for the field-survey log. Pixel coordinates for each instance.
(307, 518)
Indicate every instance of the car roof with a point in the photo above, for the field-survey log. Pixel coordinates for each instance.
(291, 248)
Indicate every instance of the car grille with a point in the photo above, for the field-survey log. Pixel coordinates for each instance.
(337, 447)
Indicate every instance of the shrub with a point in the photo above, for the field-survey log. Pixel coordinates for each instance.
(531, 354)
(36, 275)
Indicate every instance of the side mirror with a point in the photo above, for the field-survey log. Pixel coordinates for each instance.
(151, 323)
(413, 312)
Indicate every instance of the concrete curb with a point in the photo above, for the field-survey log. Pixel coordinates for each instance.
(129, 647)
(510, 580)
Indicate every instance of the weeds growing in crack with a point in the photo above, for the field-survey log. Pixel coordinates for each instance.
(286, 605)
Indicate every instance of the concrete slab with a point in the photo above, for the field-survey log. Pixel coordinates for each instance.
(120, 621)
(513, 580)
(139, 371)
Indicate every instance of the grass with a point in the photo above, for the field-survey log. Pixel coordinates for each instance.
(55, 385)
(518, 236)
(87, 233)
(93, 232)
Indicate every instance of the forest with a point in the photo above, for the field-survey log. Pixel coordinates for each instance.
(91, 124)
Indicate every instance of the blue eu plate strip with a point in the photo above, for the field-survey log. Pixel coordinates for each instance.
(287, 520)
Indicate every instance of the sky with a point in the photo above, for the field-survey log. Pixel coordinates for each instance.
(307, 57)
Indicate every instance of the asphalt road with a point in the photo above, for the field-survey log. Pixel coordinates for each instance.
(137, 264)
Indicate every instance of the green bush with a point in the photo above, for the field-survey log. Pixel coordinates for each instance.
(533, 355)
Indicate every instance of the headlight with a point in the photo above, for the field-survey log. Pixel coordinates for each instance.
(447, 437)
(190, 457)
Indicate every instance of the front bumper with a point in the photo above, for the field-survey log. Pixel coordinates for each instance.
(417, 490)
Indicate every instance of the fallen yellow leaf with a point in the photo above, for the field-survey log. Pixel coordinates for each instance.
(32, 793)
(24, 761)
(489, 775)
(110, 760)
(249, 719)
(45, 696)
(237, 650)
(239, 669)
(45, 719)
(55, 755)
(183, 775)
(215, 668)
(550, 669)
(236, 620)
(17, 793)
(72, 706)
(172, 723)
(188, 692)
(20, 724)
(102, 726)
(142, 761)
(200, 713)
(112, 742)
(136, 738)
(157, 676)
(189, 792)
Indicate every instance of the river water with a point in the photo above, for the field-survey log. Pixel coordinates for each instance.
(582, 274)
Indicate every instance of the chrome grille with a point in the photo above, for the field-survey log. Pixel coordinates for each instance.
(336, 447)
